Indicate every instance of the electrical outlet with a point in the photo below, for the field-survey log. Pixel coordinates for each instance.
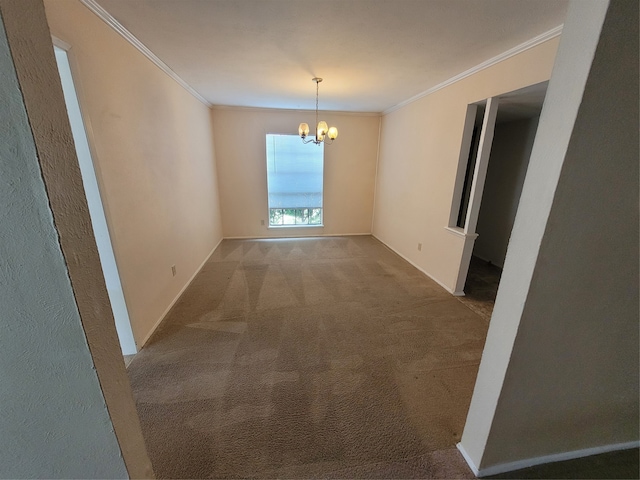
(261, 222)
(173, 270)
(419, 247)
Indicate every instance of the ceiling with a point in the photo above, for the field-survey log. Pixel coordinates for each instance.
(372, 54)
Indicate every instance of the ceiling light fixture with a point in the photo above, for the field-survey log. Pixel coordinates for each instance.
(322, 129)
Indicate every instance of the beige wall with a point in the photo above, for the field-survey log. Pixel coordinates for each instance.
(419, 149)
(559, 373)
(154, 158)
(349, 170)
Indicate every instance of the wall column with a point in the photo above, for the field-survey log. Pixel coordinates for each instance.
(559, 374)
(71, 409)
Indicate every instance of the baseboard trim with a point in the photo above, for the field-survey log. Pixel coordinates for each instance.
(284, 237)
(532, 462)
(467, 459)
(457, 294)
(177, 297)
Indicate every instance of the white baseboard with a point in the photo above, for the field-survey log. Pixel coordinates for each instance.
(467, 459)
(173, 302)
(457, 294)
(532, 462)
(284, 237)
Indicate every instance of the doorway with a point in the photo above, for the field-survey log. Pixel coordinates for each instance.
(499, 168)
(94, 201)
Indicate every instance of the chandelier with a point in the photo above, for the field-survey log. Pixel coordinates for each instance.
(322, 129)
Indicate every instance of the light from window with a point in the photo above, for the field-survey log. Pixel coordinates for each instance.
(294, 181)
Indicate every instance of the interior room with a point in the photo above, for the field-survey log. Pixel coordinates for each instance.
(368, 240)
(515, 130)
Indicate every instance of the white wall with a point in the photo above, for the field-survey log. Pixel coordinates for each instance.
(419, 150)
(349, 170)
(54, 421)
(510, 152)
(154, 158)
(559, 373)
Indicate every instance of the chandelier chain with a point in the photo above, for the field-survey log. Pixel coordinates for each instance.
(317, 89)
(322, 131)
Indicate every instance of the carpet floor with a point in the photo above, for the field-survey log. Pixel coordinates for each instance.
(481, 287)
(320, 357)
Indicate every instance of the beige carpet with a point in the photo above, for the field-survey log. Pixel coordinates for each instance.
(329, 358)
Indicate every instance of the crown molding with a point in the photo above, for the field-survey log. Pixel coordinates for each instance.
(548, 35)
(293, 110)
(129, 37)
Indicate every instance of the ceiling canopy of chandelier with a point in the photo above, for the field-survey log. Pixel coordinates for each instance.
(323, 131)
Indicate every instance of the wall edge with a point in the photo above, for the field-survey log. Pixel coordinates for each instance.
(556, 457)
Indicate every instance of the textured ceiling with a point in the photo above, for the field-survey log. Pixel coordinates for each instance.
(372, 54)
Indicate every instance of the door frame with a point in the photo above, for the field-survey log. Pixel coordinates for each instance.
(468, 232)
(83, 140)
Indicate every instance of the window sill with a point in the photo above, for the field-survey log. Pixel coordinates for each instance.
(459, 232)
(295, 226)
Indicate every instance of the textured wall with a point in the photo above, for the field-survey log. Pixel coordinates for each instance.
(560, 368)
(53, 416)
(419, 151)
(96, 209)
(154, 158)
(349, 170)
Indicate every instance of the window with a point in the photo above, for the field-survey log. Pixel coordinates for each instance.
(294, 181)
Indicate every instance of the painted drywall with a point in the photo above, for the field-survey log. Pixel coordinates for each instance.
(29, 41)
(419, 151)
(98, 219)
(54, 420)
(559, 372)
(154, 159)
(510, 152)
(349, 170)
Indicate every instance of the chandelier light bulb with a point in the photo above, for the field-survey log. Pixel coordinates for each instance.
(323, 131)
